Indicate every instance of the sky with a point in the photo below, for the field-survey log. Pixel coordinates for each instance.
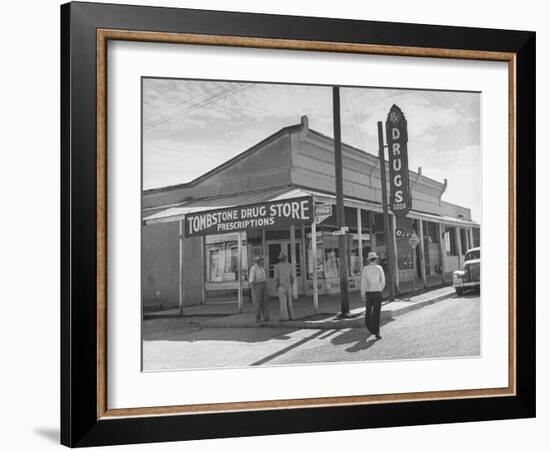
(191, 126)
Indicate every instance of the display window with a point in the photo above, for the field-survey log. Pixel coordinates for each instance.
(332, 256)
(222, 258)
(320, 257)
(431, 230)
(356, 265)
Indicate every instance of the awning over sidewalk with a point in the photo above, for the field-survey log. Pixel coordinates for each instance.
(176, 213)
(443, 219)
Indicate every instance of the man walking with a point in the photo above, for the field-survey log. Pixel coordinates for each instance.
(284, 279)
(373, 282)
(258, 281)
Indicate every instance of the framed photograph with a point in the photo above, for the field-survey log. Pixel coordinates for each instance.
(278, 224)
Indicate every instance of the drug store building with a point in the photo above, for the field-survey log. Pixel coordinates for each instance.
(199, 239)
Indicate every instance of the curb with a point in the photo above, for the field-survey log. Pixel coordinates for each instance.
(421, 304)
(330, 324)
(182, 316)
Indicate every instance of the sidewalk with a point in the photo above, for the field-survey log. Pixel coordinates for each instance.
(225, 315)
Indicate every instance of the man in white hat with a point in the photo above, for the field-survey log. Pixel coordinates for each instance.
(373, 282)
(284, 279)
(258, 281)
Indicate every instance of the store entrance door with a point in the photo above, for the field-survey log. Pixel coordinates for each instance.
(273, 250)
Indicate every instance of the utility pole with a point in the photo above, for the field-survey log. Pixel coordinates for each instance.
(340, 214)
(389, 237)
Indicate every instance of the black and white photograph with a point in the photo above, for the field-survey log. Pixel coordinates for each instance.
(247, 225)
(287, 224)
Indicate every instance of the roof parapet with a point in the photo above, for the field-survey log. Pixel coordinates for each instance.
(443, 190)
(304, 127)
(417, 178)
(305, 122)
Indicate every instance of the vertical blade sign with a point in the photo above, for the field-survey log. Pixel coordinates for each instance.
(400, 192)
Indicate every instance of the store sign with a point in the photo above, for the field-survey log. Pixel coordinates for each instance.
(322, 212)
(323, 209)
(341, 232)
(277, 214)
(396, 132)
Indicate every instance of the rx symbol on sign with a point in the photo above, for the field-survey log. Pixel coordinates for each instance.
(394, 117)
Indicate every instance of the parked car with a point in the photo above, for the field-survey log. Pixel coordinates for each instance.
(469, 276)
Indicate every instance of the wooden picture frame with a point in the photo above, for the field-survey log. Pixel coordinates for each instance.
(85, 416)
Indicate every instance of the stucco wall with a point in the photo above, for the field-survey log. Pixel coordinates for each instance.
(302, 157)
(313, 166)
(193, 266)
(450, 209)
(159, 266)
(160, 262)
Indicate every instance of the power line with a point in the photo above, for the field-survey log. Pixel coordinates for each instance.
(475, 130)
(353, 123)
(450, 131)
(192, 99)
(359, 132)
(214, 98)
(205, 97)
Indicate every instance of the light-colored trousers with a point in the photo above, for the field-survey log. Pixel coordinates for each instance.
(285, 302)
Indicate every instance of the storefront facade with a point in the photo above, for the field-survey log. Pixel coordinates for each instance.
(179, 268)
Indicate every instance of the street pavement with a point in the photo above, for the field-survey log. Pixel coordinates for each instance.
(450, 328)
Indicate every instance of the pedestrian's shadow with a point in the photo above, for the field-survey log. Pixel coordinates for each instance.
(362, 344)
(356, 337)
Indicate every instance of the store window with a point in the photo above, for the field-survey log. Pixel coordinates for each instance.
(332, 257)
(356, 265)
(320, 257)
(222, 258)
(431, 231)
(379, 233)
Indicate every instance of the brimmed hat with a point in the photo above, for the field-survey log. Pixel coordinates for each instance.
(259, 258)
(371, 256)
(282, 255)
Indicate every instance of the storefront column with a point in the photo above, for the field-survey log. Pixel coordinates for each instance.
(422, 254)
(442, 249)
(360, 237)
(471, 234)
(314, 257)
(239, 272)
(303, 268)
(370, 226)
(264, 248)
(203, 261)
(293, 260)
(396, 265)
(458, 240)
(266, 264)
(180, 267)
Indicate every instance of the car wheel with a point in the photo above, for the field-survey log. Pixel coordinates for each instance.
(459, 291)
